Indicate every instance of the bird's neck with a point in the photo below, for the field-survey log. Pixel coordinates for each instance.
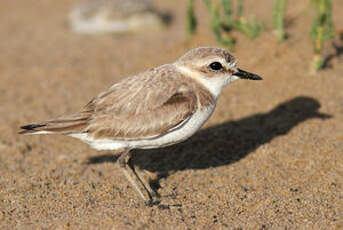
(215, 85)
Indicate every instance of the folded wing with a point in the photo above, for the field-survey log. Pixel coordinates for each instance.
(142, 106)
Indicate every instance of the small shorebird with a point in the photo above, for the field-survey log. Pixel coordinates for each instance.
(157, 108)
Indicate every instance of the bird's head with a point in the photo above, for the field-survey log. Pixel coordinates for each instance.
(214, 67)
(212, 62)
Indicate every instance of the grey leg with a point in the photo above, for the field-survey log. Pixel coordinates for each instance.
(146, 183)
(143, 190)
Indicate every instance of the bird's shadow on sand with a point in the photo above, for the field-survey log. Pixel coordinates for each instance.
(225, 143)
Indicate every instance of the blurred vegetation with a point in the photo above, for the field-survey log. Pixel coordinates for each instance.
(322, 30)
(191, 19)
(224, 18)
(279, 19)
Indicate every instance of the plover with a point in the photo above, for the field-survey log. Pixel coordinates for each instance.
(156, 108)
(115, 16)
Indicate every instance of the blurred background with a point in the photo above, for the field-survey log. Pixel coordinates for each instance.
(270, 157)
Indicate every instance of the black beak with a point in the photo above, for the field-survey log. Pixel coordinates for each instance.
(246, 75)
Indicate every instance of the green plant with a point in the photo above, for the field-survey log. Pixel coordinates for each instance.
(207, 3)
(216, 25)
(191, 19)
(222, 22)
(249, 26)
(322, 30)
(225, 18)
(279, 19)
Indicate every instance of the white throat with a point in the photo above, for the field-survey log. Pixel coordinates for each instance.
(214, 85)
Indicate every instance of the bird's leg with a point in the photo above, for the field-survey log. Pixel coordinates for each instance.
(130, 173)
(146, 183)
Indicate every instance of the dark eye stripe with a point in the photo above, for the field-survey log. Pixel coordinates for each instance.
(216, 66)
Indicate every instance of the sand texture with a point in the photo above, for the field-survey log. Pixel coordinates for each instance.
(270, 157)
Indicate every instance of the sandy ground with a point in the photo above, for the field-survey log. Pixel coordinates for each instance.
(271, 156)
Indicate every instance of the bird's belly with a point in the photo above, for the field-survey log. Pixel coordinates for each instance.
(180, 134)
(175, 136)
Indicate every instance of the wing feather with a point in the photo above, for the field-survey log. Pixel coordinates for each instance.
(142, 106)
(158, 102)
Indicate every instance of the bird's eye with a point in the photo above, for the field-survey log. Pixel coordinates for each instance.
(216, 66)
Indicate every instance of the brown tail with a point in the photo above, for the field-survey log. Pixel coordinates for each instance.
(65, 125)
